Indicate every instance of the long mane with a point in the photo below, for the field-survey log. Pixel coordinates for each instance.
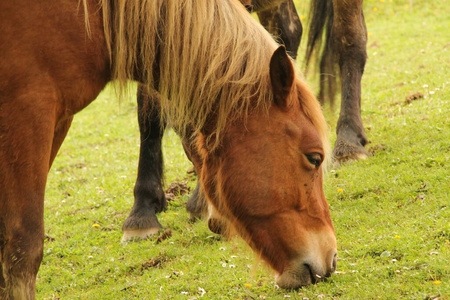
(210, 57)
(205, 58)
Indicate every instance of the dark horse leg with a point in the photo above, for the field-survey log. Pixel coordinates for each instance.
(349, 39)
(149, 198)
(148, 191)
(345, 47)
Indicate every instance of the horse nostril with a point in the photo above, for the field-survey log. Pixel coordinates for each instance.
(333, 264)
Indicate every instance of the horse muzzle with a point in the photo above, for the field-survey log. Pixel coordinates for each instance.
(302, 272)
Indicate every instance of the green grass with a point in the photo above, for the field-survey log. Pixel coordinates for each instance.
(391, 211)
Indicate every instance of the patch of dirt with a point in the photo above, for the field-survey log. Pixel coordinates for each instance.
(399, 84)
(49, 238)
(412, 97)
(170, 197)
(408, 99)
(377, 148)
(128, 287)
(176, 189)
(423, 188)
(164, 236)
(419, 197)
(156, 262)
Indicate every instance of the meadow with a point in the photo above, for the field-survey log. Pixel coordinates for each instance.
(391, 211)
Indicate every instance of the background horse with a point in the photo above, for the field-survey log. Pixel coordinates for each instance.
(344, 46)
(246, 119)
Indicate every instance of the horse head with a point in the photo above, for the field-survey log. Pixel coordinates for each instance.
(265, 179)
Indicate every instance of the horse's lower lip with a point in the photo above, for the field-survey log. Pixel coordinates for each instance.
(294, 279)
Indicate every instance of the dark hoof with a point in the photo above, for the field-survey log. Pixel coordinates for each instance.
(140, 226)
(344, 151)
(217, 226)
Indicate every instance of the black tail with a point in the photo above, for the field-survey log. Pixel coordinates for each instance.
(320, 25)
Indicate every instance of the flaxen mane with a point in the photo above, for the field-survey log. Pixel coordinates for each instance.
(210, 57)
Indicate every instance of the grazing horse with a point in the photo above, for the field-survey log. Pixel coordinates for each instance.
(280, 18)
(345, 46)
(252, 128)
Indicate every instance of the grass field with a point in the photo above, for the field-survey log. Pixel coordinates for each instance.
(391, 212)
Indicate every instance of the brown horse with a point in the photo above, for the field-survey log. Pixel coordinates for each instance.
(280, 18)
(253, 129)
(345, 48)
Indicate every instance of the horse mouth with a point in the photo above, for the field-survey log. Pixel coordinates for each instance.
(315, 278)
(303, 275)
(295, 279)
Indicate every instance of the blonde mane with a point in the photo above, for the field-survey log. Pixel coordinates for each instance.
(210, 56)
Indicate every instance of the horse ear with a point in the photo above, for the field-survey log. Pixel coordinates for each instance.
(281, 76)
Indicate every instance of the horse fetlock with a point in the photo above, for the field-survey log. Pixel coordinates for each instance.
(18, 272)
(149, 193)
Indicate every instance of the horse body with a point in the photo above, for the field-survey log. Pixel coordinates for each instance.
(56, 61)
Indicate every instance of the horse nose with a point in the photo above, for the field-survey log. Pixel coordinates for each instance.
(304, 271)
(320, 270)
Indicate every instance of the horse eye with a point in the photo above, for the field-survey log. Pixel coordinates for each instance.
(315, 159)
